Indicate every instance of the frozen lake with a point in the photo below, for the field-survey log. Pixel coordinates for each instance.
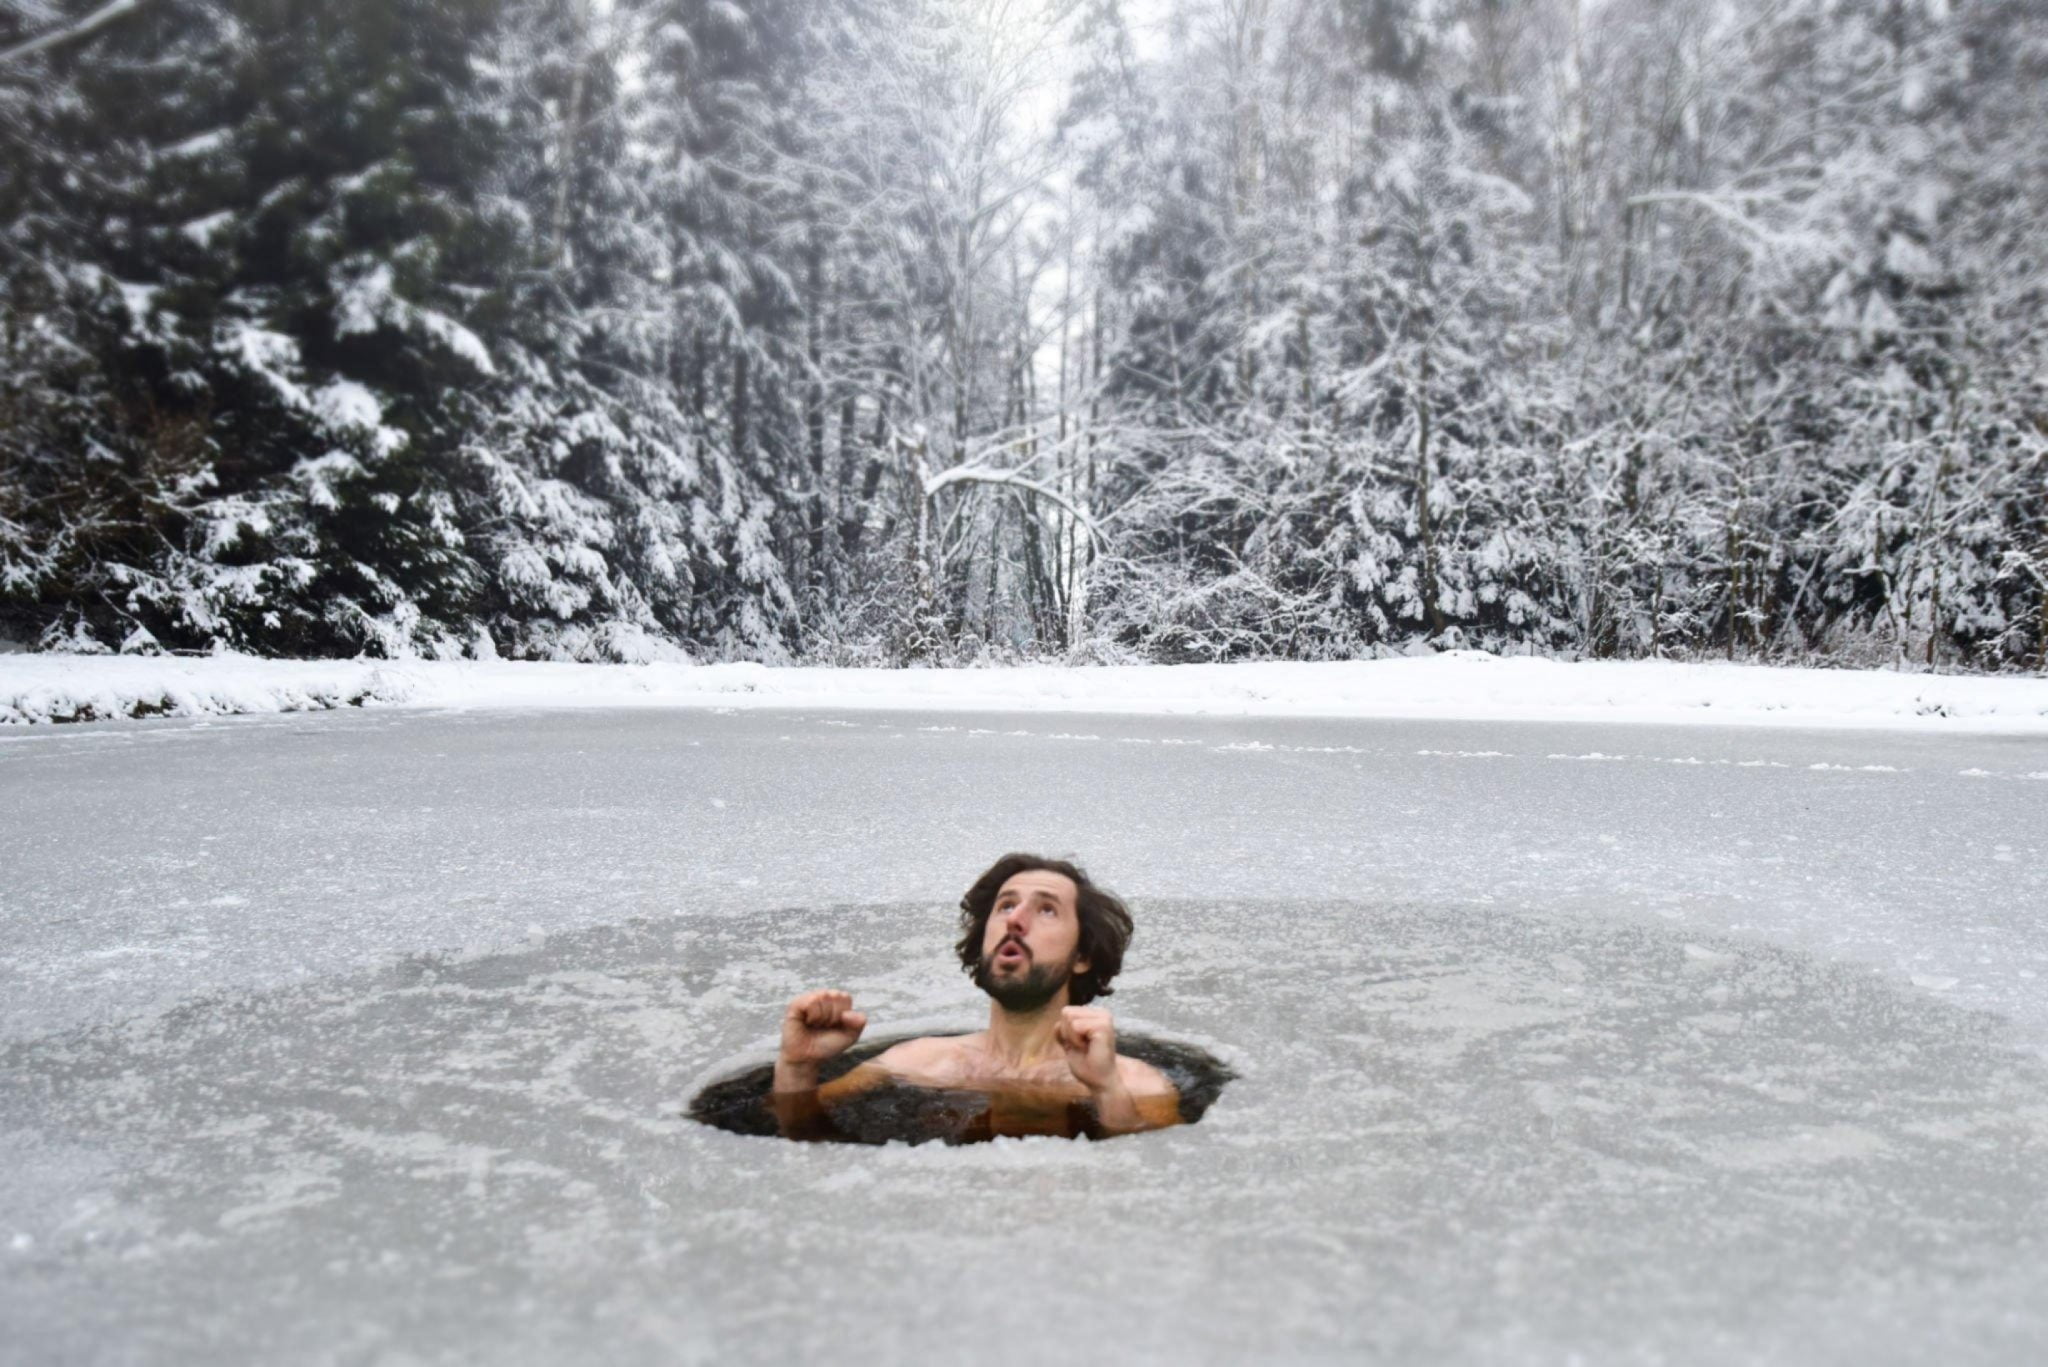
(364, 1036)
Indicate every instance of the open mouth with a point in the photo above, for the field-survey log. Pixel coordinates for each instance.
(1011, 952)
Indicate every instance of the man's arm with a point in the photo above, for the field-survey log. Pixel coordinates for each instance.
(807, 1113)
(1141, 1098)
(817, 1026)
(1125, 1094)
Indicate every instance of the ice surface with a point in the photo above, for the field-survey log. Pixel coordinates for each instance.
(1458, 1138)
(366, 1036)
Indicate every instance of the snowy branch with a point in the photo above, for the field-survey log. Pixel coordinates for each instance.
(72, 33)
(963, 474)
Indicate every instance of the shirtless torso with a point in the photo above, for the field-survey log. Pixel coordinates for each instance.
(1040, 1053)
(1024, 1099)
(1074, 1081)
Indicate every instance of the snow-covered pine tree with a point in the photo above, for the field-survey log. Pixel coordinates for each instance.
(287, 244)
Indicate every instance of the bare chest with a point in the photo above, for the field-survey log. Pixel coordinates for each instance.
(972, 1068)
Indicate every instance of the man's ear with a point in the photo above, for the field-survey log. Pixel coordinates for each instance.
(1081, 965)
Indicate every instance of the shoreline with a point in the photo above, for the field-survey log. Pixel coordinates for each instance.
(39, 690)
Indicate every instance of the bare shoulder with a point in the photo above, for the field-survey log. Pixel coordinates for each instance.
(1142, 1079)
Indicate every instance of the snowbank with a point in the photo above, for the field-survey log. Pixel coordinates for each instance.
(42, 688)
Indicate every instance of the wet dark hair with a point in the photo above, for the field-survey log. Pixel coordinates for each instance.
(1105, 922)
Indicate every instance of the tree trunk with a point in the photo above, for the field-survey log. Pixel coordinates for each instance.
(565, 147)
(739, 402)
(854, 528)
(1734, 586)
(700, 374)
(849, 418)
(926, 630)
(1657, 613)
(1045, 620)
(2042, 639)
(1424, 528)
(814, 415)
(963, 346)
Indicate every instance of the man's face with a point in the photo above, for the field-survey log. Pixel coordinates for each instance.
(1030, 946)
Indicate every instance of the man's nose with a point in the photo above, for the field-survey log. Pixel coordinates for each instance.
(1016, 919)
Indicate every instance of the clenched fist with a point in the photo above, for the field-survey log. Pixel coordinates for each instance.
(1089, 1036)
(817, 1026)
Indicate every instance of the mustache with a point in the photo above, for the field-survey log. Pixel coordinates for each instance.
(1026, 991)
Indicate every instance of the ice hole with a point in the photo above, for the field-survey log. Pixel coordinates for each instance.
(912, 1114)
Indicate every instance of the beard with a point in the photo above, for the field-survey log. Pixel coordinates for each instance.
(1027, 991)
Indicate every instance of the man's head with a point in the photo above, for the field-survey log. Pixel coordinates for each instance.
(1031, 926)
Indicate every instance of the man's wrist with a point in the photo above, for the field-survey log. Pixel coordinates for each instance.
(1116, 1110)
(1111, 1090)
(795, 1077)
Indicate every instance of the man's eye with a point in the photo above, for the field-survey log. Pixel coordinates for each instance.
(1048, 911)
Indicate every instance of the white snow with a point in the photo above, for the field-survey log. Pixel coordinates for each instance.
(370, 300)
(319, 474)
(455, 337)
(271, 355)
(345, 404)
(198, 146)
(1458, 685)
(202, 231)
(1903, 256)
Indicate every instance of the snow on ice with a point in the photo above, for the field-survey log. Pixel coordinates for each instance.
(1461, 684)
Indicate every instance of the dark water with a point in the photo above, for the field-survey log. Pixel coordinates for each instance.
(922, 1115)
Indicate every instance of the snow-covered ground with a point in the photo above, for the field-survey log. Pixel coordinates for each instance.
(364, 1036)
(1464, 684)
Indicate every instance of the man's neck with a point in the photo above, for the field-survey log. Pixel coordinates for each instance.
(1022, 1039)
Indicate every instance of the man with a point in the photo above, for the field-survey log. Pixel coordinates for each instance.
(1043, 942)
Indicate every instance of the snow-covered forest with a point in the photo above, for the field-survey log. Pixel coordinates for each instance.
(878, 331)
